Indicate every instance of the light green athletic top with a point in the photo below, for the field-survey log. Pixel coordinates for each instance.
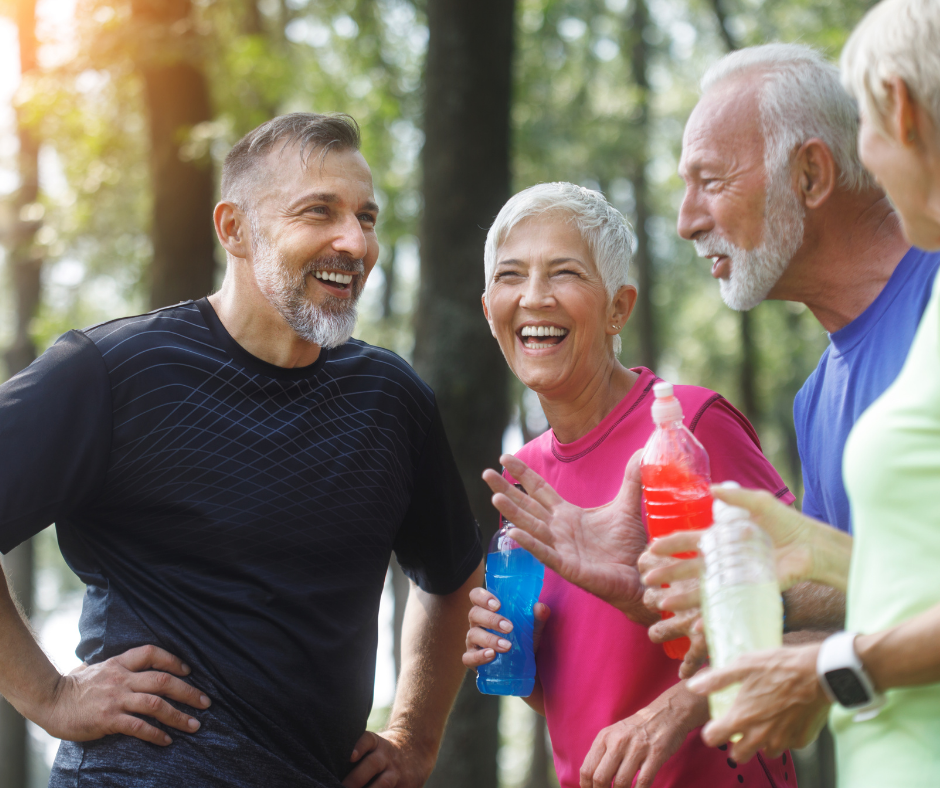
(892, 474)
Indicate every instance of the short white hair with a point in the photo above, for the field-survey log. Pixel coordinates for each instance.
(605, 230)
(801, 97)
(896, 38)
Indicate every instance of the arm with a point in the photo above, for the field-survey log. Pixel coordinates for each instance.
(432, 640)
(94, 700)
(641, 744)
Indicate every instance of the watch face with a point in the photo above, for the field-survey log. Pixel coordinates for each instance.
(846, 687)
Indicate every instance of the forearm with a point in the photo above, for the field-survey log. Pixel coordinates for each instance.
(903, 656)
(28, 679)
(433, 636)
(536, 701)
(815, 607)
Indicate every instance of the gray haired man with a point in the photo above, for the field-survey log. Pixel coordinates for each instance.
(229, 477)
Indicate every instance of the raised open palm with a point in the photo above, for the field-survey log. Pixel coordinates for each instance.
(595, 549)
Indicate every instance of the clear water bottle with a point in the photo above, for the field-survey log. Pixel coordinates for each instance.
(514, 576)
(676, 476)
(741, 601)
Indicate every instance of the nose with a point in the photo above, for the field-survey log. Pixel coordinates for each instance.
(538, 292)
(694, 218)
(350, 238)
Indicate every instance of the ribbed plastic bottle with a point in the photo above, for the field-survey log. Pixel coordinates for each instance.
(741, 601)
(515, 576)
(676, 476)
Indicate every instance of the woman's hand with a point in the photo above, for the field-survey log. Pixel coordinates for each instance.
(780, 704)
(805, 549)
(641, 744)
(595, 549)
(482, 644)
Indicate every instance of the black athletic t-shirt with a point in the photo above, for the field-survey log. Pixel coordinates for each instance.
(239, 515)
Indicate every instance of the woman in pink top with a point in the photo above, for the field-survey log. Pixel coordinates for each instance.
(557, 296)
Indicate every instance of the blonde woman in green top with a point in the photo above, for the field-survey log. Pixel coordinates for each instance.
(886, 667)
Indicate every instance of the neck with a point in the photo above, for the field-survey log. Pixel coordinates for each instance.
(574, 417)
(253, 322)
(843, 265)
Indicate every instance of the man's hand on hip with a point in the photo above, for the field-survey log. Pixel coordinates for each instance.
(94, 701)
(386, 760)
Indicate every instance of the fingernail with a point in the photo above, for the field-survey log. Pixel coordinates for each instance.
(354, 756)
(186, 668)
(489, 653)
(193, 724)
(693, 684)
(504, 643)
(167, 740)
(204, 700)
(505, 625)
(493, 604)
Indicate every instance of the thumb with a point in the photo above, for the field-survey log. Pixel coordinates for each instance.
(541, 612)
(631, 489)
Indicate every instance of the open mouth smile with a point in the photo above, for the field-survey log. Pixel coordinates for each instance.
(337, 282)
(541, 337)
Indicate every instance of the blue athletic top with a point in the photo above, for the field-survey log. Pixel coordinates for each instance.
(240, 516)
(862, 360)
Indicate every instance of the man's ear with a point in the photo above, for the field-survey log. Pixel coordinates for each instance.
(231, 226)
(815, 172)
(621, 308)
(486, 314)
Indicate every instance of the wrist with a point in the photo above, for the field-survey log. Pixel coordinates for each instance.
(831, 554)
(39, 703)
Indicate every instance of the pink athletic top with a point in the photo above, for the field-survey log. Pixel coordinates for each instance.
(596, 666)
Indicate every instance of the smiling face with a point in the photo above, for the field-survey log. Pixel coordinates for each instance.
(750, 225)
(548, 308)
(313, 240)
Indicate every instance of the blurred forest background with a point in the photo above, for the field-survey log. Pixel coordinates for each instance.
(115, 116)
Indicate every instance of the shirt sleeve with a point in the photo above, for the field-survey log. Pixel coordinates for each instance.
(55, 434)
(734, 450)
(438, 545)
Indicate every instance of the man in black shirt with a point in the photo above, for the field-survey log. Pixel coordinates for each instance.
(229, 478)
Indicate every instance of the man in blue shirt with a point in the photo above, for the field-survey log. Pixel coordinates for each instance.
(777, 197)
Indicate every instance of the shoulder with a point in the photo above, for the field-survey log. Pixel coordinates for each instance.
(361, 364)
(707, 413)
(73, 361)
(167, 326)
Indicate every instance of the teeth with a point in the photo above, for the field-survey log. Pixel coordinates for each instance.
(538, 345)
(332, 276)
(543, 331)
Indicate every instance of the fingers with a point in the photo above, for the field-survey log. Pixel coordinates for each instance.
(152, 658)
(534, 485)
(160, 710)
(678, 542)
(681, 597)
(482, 647)
(365, 744)
(137, 728)
(695, 657)
(547, 555)
(708, 681)
(678, 626)
(485, 599)
(631, 490)
(481, 617)
(541, 612)
(372, 762)
(168, 686)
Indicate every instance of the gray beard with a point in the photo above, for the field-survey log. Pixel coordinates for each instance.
(329, 324)
(755, 272)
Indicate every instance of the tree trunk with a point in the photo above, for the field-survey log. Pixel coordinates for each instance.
(538, 766)
(25, 263)
(643, 262)
(466, 181)
(177, 98)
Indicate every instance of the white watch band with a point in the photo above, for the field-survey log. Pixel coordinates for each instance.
(837, 653)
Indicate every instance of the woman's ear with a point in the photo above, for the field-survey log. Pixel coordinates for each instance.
(900, 116)
(486, 314)
(231, 226)
(621, 308)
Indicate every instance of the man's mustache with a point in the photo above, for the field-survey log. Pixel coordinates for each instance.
(339, 262)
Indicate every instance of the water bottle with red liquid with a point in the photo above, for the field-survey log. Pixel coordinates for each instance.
(676, 476)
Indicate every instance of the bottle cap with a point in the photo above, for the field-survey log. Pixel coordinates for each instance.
(725, 512)
(666, 408)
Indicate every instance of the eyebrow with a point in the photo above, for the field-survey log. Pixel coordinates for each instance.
(330, 199)
(514, 261)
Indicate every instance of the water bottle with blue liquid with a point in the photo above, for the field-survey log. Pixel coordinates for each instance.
(514, 576)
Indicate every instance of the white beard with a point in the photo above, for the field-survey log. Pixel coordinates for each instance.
(754, 273)
(329, 324)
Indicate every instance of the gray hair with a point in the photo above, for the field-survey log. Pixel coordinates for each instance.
(309, 131)
(896, 38)
(801, 97)
(607, 234)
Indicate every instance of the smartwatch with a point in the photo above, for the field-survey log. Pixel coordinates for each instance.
(844, 679)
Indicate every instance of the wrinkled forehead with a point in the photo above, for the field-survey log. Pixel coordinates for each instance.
(287, 171)
(725, 122)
